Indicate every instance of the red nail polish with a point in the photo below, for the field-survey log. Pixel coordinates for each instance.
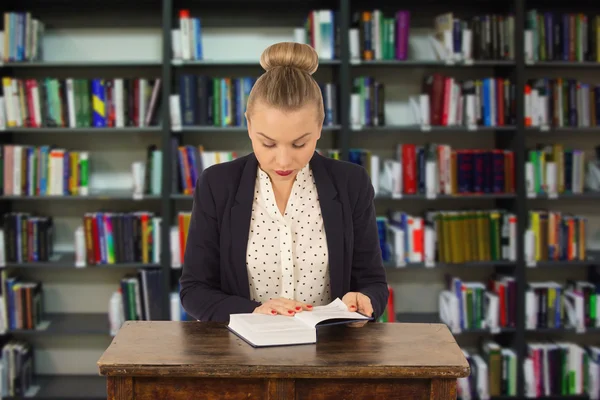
(273, 312)
(352, 306)
(290, 312)
(309, 306)
(298, 308)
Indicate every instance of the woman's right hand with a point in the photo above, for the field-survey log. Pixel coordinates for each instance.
(282, 306)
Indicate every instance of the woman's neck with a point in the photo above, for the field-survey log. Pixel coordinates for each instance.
(282, 191)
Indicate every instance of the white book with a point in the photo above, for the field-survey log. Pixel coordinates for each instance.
(176, 41)
(175, 112)
(449, 310)
(143, 101)
(261, 330)
(119, 100)
(353, 38)
(70, 103)
(174, 244)
(482, 377)
(186, 40)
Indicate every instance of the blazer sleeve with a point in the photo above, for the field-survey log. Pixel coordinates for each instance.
(200, 293)
(368, 274)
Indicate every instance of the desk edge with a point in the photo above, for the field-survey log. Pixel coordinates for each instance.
(292, 371)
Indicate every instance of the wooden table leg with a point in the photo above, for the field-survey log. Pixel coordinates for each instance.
(119, 388)
(443, 389)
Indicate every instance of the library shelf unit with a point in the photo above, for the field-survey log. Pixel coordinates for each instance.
(161, 16)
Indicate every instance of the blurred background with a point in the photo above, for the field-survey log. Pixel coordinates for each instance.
(477, 122)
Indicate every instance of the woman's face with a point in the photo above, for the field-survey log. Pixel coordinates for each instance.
(284, 142)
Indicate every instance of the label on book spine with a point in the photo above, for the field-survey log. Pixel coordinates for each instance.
(494, 330)
(138, 196)
(544, 128)
(429, 263)
(431, 195)
(531, 263)
(425, 127)
(472, 127)
(177, 62)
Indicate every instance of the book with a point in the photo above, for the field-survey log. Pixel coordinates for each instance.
(261, 330)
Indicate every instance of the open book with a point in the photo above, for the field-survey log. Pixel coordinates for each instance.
(261, 330)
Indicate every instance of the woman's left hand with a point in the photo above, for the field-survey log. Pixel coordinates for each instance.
(357, 301)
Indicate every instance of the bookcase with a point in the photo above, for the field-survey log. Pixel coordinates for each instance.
(134, 39)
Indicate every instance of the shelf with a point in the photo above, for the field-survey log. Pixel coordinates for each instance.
(593, 257)
(69, 324)
(66, 387)
(81, 64)
(475, 264)
(432, 63)
(588, 331)
(233, 63)
(90, 130)
(564, 129)
(231, 129)
(432, 129)
(562, 64)
(585, 195)
(94, 195)
(67, 260)
(490, 196)
(433, 318)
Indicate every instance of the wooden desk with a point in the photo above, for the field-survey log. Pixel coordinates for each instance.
(194, 360)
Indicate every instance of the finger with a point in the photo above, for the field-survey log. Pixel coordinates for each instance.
(364, 305)
(266, 310)
(300, 306)
(282, 309)
(350, 302)
(359, 324)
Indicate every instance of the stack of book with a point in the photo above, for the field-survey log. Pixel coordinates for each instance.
(80, 103)
(466, 306)
(555, 236)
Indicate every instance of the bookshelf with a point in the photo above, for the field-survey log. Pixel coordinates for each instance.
(154, 21)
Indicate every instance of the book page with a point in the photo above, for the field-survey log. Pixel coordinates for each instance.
(270, 323)
(337, 309)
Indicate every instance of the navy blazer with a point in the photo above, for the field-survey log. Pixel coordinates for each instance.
(214, 280)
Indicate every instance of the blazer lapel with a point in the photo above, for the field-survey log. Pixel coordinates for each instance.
(241, 213)
(331, 210)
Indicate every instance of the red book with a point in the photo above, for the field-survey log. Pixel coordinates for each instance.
(447, 97)
(409, 168)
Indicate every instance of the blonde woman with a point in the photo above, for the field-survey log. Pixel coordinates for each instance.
(283, 229)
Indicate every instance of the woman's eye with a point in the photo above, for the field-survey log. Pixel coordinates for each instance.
(299, 145)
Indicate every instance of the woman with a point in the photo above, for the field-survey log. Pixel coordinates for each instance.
(283, 229)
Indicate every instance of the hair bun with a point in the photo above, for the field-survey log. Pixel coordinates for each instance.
(290, 54)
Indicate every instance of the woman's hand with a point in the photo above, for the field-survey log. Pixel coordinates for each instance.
(357, 301)
(282, 306)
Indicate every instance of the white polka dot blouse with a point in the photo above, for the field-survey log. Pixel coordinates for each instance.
(287, 254)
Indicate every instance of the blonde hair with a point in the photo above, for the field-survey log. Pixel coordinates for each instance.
(287, 83)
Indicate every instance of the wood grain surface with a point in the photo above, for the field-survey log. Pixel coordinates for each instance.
(204, 349)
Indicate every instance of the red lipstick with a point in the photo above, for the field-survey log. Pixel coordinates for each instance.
(284, 173)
